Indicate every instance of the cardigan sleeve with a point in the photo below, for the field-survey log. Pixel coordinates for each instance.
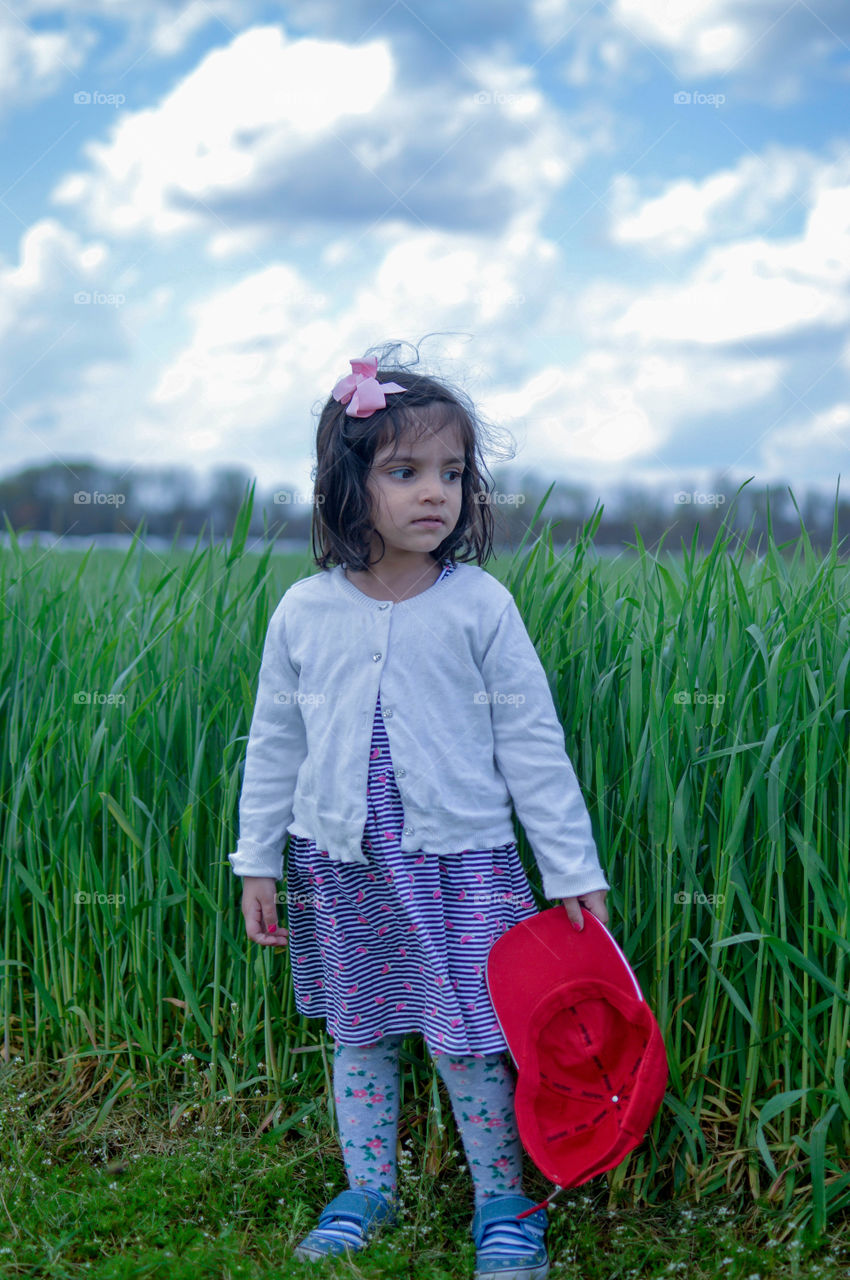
(530, 754)
(277, 746)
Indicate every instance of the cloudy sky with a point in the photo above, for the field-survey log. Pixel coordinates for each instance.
(628, 224)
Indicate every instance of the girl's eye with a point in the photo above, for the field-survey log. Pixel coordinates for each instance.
(395, 471)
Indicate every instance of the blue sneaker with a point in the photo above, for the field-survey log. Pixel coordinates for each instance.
(349, 1222)
(507, 1249)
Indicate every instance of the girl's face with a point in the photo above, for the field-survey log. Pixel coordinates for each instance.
(422, 480)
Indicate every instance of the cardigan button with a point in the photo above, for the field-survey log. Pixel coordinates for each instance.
(376, 657)
(387, 713)
(400, 773)
(385, 605)
(408, 831)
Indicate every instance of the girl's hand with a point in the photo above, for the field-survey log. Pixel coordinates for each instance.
(260, 911)
(593, 902)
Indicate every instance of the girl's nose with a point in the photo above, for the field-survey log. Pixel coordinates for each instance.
(436, 490)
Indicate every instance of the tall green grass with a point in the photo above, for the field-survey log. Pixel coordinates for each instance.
(704, 698)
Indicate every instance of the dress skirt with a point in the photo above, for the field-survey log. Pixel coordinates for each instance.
(400, 945)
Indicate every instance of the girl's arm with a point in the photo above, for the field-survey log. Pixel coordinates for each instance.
(277, 746)
(530, 753)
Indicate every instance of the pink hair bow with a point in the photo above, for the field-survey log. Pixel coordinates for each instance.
(363, 389)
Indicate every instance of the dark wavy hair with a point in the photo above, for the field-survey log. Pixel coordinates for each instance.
(345, 450)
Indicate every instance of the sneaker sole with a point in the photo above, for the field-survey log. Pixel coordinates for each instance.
(316, 1255)
(539, 1272)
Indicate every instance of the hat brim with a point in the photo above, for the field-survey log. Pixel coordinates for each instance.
(542, 952)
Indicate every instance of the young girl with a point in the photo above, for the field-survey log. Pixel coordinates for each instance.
(401, 714)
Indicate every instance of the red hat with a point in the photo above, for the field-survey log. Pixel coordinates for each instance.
(590, 1059)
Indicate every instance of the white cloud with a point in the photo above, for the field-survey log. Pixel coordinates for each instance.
(614, 407)
(171, 32)
(263, 353)
(768, 49)
(49, 336)
(267, 351)
(705, 35)
(154, 22)
(729, 202)
(260, 97)
(54, 265)
(241, 356)
(37, 62)
(810, 448)
(753, 289)
(270, 132)
(34, 63)
(236, 242)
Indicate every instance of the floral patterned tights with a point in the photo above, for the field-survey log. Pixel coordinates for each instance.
(481, 1090)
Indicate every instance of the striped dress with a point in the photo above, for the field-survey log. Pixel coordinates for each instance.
(400, 945)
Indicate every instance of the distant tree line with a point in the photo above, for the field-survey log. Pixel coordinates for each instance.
(84, 498)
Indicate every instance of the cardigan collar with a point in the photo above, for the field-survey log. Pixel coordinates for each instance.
(354, 593)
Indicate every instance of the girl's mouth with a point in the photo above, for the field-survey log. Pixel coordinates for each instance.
(429, 522)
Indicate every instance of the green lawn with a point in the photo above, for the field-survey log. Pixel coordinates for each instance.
(213, 1199)
(705, 699)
